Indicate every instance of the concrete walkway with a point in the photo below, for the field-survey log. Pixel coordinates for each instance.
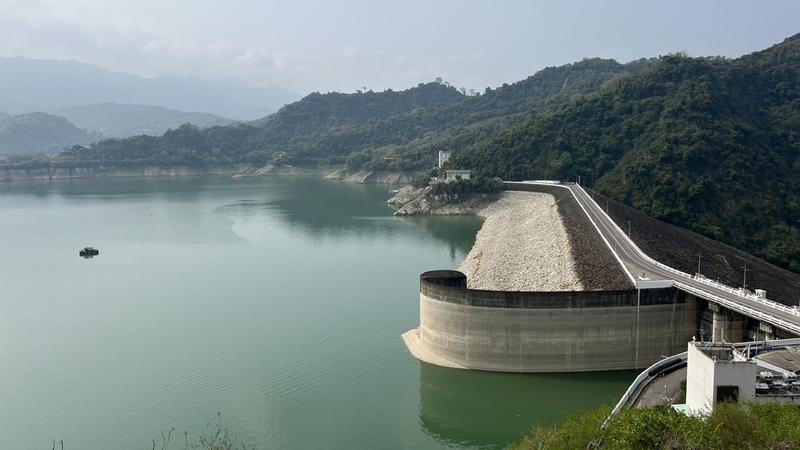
(661, 390)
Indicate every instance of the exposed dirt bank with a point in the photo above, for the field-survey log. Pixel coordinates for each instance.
(99, 171)
(370, 177)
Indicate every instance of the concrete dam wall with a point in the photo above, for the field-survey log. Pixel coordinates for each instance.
(567, 331)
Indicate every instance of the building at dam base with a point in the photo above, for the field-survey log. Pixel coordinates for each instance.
(566, 331)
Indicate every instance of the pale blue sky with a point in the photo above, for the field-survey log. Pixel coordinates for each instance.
(347, 44)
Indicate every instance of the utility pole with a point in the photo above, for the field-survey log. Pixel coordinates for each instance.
(606, 206)
(629, 228)
(698, 262)
(744, 278)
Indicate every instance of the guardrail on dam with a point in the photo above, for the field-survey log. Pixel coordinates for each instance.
(567, 331)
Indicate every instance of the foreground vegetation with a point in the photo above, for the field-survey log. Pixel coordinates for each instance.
(755, 427)
(214, 437)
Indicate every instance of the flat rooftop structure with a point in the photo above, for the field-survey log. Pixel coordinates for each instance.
(717, 351)
(787, 358)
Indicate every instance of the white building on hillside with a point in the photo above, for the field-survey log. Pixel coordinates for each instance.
(444, 157)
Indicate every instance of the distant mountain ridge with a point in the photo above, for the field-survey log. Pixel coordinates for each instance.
(117, 120)
(28, 85)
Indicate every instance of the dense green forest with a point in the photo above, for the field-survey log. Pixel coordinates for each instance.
(710, 144)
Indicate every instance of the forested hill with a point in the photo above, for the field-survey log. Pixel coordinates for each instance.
(364, 126)
(300, 125)
(291, 130)
(710, 144)
(334, 109)
(420, 133)
(39, 133)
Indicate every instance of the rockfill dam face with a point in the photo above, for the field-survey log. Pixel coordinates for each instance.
(564, 331)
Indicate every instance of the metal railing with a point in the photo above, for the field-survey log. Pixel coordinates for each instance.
(794, 310)
(748, 295)
(638, 384)
(641, 381)
(746, 310)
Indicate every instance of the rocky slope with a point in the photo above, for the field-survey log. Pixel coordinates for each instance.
(411, 201)
(538, 240)
(243, 171)
(522, 246)
(370, 177)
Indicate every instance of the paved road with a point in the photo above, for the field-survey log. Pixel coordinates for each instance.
(646, 272)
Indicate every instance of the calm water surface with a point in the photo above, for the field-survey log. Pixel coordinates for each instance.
(278, 302)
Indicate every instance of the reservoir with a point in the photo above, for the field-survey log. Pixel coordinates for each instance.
(276, 302)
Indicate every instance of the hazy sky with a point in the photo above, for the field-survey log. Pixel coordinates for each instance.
(347, 44)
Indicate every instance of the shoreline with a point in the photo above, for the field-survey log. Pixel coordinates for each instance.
(61, 172)
(522, 245)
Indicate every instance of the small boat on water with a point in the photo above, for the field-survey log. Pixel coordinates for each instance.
(88, 252)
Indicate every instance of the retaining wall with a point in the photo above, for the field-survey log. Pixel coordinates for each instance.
(569, 331)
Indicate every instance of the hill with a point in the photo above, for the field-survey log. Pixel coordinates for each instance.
(709, 144)
(35, 133)
(292, 131)
(28, 85)
(365, 127)
(116, 120)
(419, 134)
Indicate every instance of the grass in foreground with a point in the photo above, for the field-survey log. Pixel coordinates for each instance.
(770, 426)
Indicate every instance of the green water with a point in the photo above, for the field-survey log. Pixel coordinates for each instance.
(278, 302)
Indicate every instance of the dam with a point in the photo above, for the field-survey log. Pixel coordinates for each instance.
(655, 313)
(563, 331)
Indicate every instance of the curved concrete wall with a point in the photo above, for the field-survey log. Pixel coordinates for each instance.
(550, 331)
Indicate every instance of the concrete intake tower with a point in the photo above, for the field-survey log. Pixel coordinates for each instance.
(547, 331)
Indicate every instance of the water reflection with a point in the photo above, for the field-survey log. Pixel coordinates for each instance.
(326, 210)
(484, 409)
(319, 209)
(442, 228)
(111, 188)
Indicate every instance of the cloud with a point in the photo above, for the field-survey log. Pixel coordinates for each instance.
(98, 34)
(350, 51)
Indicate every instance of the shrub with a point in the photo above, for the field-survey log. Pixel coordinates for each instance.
(730, 427)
